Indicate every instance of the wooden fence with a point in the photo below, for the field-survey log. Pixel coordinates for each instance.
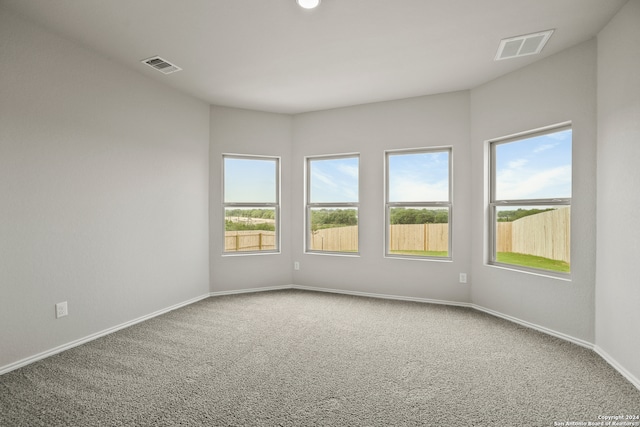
(339, 239)
(407, 237)
(546, 234)
(419, 237)
(250, 240)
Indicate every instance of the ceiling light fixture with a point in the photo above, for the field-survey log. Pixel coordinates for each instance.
(308, 4)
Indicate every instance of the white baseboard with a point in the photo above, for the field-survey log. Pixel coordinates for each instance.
(251, 290)
(574, 340)
(26, 361)
(618, 367)
(381, 296)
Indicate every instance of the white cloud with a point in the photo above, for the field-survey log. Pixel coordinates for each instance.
(560, 136)
(554, 182)
(326, 189)
(543, 147)
(518, 163)
(404, 189)
(325, 179)
(348, 170)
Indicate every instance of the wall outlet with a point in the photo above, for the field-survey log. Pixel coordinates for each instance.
(463, 277)
(296, 265)
(61, 309)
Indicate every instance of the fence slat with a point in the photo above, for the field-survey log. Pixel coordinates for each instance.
(546, 234)
(419, 237)
(249, 240)
(408, 237)
(338, 239)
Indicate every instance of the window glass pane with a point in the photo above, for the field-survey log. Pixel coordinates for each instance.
(249, 229)
(534, 236)
(419, 231)
(419, 177)
(534, 168)
(333, 180)
(334, 229)
(250, 180)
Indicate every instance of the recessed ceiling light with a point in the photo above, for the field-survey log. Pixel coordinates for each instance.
(308, 4)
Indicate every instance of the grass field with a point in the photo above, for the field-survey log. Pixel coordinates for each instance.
(522, 260)
(533, 261)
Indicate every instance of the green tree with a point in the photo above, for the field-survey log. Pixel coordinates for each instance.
(418, 216)
(332, 218)
(509, 216)
(241, 226)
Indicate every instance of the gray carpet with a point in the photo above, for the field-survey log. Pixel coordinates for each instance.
(297, 358)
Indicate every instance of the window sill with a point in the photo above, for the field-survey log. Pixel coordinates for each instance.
(419, 258)
(248, 253)
(565, 277)
(326, 253)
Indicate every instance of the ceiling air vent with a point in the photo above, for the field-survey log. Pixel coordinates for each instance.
(529, 44)
(161, 65)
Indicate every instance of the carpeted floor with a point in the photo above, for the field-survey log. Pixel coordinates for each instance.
(298, 358)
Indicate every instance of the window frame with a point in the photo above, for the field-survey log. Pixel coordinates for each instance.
(425, 204)
(495, 203)
(327, 205)
(257, 205)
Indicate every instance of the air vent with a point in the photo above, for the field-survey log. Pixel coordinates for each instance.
(529, 44)
(161, 65)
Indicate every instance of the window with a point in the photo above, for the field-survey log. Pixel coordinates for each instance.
(530, 201)
(332, 204)
(251, 204)
(418, 203)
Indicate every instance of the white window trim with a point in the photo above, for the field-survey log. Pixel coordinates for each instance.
(495, 203)
(336, 205)
(388, 205)
(275, 205)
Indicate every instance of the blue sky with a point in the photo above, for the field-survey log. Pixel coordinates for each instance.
(334, 180)
(249, 180)
(419, 177)
(534, 168)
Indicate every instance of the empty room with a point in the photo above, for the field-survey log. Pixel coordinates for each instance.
(304, 212)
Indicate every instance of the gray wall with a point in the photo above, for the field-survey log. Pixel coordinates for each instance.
(557, 89)
(617, 284)
(103, 192)
(440, 120)
(239, 131)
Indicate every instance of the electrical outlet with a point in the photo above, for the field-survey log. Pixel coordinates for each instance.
(463, 277)
(296, 265)
(61, 309)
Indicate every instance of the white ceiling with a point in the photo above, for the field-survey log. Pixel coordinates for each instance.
(272, 55)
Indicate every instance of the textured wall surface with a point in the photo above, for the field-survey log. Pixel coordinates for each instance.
(103, 192)
(429, 121)
(236, 131)
(558, 89)
(617, 290)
